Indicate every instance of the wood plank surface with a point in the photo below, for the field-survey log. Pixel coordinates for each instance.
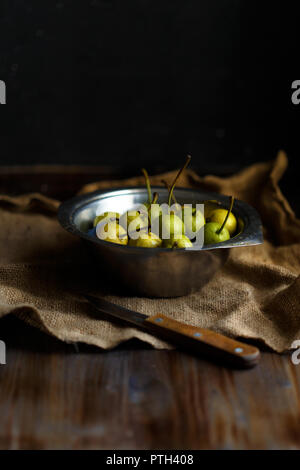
(134, 397)
(58, 396)
(52, 397)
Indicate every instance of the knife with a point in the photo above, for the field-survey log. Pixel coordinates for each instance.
(198, 340)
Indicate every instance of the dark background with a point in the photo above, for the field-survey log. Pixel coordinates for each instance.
(131, 83)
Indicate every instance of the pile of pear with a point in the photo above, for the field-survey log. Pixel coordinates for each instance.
(182, 224)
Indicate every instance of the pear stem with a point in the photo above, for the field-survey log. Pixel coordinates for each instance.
(227, 215)
(145, 173)
(188, 159)
(168, 188)
(155, 197)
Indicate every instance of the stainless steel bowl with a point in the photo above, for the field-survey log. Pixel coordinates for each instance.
(156, 272)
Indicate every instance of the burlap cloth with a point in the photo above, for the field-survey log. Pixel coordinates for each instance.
(256, 295)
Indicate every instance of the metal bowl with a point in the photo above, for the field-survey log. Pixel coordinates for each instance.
(156, 272)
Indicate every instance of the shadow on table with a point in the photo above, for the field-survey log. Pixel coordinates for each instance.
(19, 336)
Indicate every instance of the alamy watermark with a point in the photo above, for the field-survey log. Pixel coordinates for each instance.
(295, 358)
(296, 93)
(2, 353)
(2, 92)
(164, 221)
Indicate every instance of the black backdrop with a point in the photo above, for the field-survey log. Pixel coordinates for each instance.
(143, 82)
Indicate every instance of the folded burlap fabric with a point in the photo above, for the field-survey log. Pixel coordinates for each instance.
(256, 295)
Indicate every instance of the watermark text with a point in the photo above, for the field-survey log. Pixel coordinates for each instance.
(2, 353)
(296, 94)
(2, 92)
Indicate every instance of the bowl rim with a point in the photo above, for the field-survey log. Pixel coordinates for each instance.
(251, 236)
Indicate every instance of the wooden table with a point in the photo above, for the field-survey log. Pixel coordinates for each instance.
(53, 396)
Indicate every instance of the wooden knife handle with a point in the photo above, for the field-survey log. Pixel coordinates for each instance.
(207, 342)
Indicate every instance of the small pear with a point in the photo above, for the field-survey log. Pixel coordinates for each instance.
(219, 215)
(112, 232)
(140, 220)
(183, 242)
(106, 215)
(146, 240)
(215, 232)
(212, 233)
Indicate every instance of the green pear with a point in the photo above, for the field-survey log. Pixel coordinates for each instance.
(106, 215)
(213, 233)
(183, 242)
(219, 215)
(134, 220)
(146, 240)
(112, 232)
(217, 232)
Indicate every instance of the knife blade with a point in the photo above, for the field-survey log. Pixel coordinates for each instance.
(208, 343)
